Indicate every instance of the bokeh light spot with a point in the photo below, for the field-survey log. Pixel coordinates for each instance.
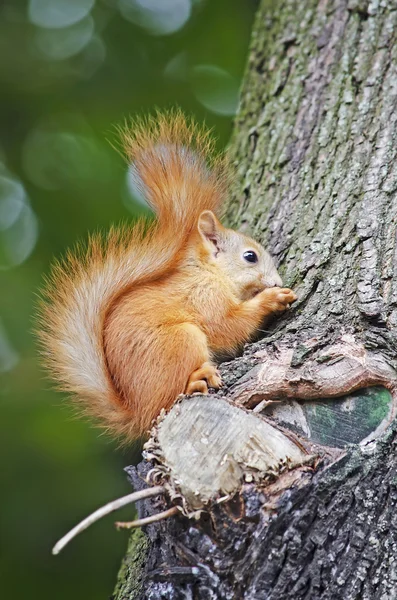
(55, 14)
(59, 44)
(12, 201)
(177, 68)
(18, 223)
(56, 155)
(158, 17)
(215, 88)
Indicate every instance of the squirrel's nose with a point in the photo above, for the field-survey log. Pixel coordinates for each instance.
(272, 282)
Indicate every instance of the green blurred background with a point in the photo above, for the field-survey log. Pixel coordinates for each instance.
(70, 70)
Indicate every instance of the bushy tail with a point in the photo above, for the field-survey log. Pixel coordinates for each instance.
(172, 162)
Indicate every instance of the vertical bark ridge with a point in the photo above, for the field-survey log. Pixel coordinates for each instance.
(316, 147)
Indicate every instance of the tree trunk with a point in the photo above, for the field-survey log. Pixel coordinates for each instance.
(286, 480)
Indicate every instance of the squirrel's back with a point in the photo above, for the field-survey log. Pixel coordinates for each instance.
(172, 163)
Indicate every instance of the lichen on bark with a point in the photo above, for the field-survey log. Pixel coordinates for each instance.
(129, 584)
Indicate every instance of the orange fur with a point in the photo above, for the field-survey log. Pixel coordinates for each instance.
(135, 320)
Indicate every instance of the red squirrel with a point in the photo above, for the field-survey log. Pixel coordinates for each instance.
(137, 318)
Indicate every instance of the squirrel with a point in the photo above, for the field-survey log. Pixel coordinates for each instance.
(132, 321)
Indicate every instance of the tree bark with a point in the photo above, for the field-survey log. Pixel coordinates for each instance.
(314, 149)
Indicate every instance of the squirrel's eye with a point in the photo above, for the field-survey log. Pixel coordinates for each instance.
(250, 256)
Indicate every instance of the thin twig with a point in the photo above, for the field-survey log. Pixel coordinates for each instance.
(140, 522)
(105, 510)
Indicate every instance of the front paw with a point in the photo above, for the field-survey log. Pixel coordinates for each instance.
(277, 299)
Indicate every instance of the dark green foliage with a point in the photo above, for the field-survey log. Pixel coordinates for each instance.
(57, 117)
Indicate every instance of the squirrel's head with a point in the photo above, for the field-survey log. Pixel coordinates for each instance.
(245, 262)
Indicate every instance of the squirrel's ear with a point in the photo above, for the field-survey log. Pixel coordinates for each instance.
(210, 228)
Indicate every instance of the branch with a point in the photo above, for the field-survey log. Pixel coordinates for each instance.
(105, 510)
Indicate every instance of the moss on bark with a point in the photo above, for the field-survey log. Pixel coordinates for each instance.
(130, 578)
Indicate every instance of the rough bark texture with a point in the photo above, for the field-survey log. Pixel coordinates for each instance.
(315, 150)
(334, 538)
(315, 147)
